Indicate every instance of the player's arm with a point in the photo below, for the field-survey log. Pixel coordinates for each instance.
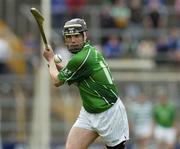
(58, 66)
(53, 67)
(53, 70)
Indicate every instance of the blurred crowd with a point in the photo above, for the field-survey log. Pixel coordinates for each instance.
(151, 30)
(146, 29)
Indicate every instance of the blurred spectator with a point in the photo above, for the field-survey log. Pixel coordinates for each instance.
(75, 7)
(146, 49)
(113, 48)
(59, 11)
(177, 8)
(141, 121)
(65, 8)
(177, 11)
(136, 13)
(162, 55)
(174, 44)
(107, 21)
(164, 122)
(136, 19)
(32, 52)
(146, 2)
(5, 55)
(121, 13)
(156, 12)
(168, 48)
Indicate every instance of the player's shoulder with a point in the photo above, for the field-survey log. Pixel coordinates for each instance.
(82, 56)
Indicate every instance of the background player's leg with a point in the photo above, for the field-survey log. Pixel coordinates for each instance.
(80, 138)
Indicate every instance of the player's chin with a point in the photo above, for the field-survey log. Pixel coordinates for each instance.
(74, 51)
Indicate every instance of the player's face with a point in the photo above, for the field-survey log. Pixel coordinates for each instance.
(74, 42)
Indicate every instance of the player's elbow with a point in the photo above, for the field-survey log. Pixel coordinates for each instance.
(57, 84)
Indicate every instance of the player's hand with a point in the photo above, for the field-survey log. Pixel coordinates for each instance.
(48, 53)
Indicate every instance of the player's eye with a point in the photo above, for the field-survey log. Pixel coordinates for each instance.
(77, 35)
(68, 36)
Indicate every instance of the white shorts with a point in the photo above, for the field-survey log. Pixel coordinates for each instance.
(143, 131)
(165, 134)
(111, 125)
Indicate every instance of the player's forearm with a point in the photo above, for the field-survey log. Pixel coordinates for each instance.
(53, 70)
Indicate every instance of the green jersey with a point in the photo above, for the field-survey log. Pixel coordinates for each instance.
(164, 115)
(88, 70)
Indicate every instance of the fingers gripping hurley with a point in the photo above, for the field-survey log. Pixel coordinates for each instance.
(40, 19)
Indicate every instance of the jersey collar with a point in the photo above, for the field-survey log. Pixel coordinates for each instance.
(87, 44)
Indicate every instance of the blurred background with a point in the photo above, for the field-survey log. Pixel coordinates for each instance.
(140, 40)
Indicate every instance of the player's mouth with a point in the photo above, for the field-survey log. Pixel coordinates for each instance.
(74, 46)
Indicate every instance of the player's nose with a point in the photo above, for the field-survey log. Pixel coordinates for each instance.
(73, 38)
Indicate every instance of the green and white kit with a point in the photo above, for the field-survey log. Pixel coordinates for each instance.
(88, 70)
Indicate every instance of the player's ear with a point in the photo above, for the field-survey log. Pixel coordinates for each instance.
(85, 36)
